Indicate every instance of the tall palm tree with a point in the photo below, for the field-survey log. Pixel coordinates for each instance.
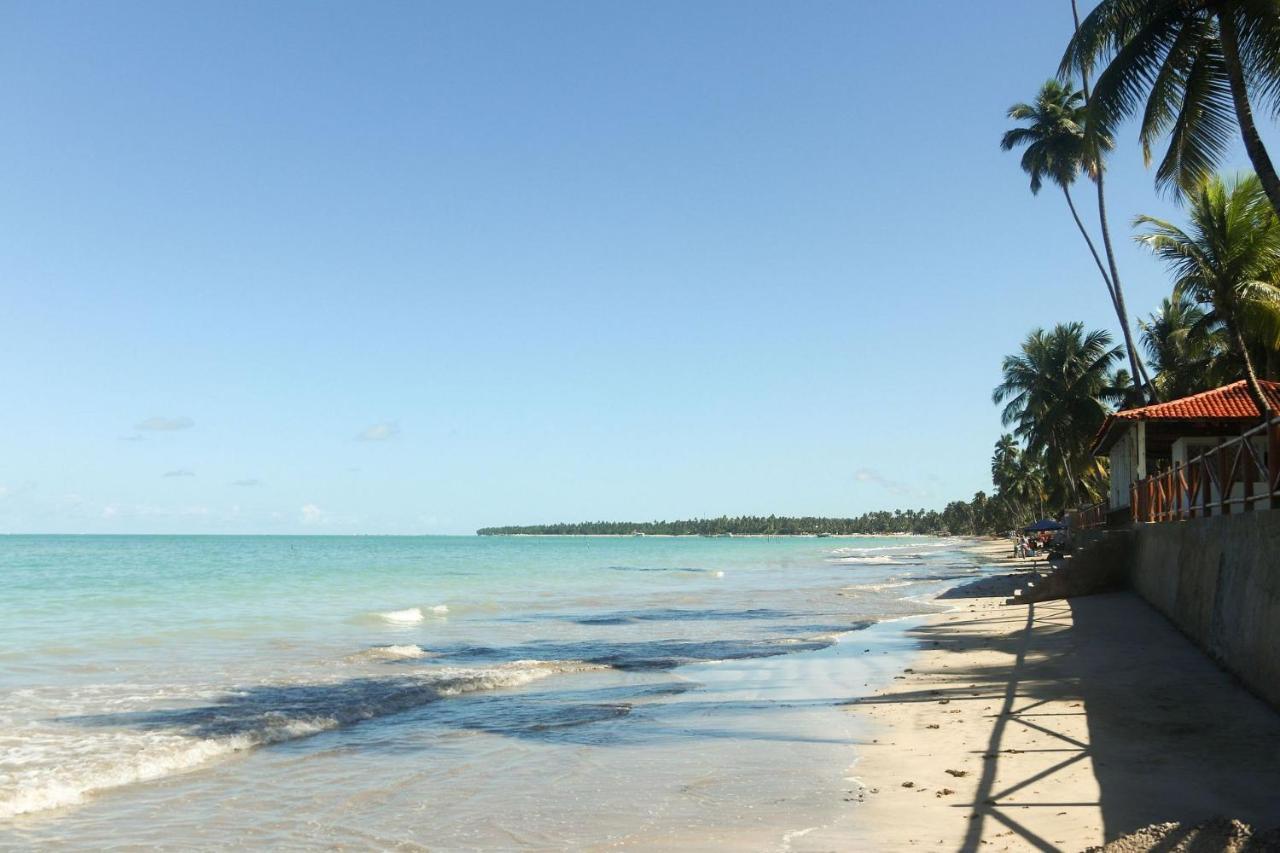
(1098, 144)
(1196, 64)
(1228, 259)
(1056, 393)
(1056, 150)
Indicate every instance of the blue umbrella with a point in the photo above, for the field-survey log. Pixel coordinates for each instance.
(1044, 524)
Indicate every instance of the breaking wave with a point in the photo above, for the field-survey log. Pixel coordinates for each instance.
(389, 653)
(875, 560)
(412, 615)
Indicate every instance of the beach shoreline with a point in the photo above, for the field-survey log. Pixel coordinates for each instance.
(1054, 726)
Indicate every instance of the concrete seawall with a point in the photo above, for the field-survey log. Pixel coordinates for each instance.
(1218, 580)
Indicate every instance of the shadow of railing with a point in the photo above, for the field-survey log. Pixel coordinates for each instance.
(1109, 689)
(988, 797)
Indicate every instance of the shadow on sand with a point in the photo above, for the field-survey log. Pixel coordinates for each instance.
(1166, 735)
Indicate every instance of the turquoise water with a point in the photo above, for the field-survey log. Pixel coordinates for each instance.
(440, 691)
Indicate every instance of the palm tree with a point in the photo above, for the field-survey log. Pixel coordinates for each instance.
(1018, 477)
(1184, 347)
(1056, 149)
(1056, 392)
(1195, 63)
(1229, 260)
(1005, 460)
(1098, 146)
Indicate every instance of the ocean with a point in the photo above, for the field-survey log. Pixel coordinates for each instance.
(200, 692)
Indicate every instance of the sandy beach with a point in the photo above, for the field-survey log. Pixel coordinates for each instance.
(1054, 726)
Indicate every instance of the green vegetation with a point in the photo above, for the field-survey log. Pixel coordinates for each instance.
(1227, 259)
(1194, 70)
(1056, 392)
(959, 518)
(1191, 73)
(1056, 149)
(1182, 349)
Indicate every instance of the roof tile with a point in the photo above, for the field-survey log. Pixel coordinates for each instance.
(1230, 402)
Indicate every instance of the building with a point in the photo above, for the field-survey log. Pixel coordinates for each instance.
(1171, 439)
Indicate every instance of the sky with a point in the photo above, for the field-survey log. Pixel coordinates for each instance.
(417, 268)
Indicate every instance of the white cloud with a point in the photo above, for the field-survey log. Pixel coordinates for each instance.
(180, 472)
(247, 483)
(379, 432)
(158, 423)
(312, 514)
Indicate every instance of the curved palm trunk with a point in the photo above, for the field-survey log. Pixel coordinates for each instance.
(1250, 375)
(1244, 113)
(1139, 369)
(1117, 297)
(1097, 259)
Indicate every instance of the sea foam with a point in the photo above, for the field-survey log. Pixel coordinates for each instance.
(145, 745)
(389, 653)
(412, 615)
(409, 616)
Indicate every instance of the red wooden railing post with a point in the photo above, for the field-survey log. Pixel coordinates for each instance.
(1249, 469)
(1273, 462)
(1206, 483)
(1224, 481)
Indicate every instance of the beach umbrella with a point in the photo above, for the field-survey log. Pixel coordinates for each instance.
(1044, 524)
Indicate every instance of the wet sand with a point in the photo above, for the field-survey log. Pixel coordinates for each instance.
(1054, 726)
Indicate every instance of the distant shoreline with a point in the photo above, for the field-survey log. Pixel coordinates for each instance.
(710, 535)
(912, 522)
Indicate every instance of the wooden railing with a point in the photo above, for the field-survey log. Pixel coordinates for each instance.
(1206, 485)
(1090, 517)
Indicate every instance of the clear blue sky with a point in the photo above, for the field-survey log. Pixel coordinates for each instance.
(422, 267)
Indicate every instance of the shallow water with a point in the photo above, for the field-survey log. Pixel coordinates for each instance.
(442, 691)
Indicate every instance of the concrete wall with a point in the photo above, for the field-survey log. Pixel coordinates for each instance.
(1218, 580)
(1100, 564)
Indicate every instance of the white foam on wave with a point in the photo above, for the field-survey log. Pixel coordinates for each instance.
(408, 616)
(236, 724)
(881, 549)
(390, 653)
(412, 615)
(875, 560)
(880, 587)
(717, 574)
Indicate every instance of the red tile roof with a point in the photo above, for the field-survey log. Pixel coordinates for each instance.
(1228, 403)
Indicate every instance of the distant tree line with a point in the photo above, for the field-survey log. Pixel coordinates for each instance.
(960, 518)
